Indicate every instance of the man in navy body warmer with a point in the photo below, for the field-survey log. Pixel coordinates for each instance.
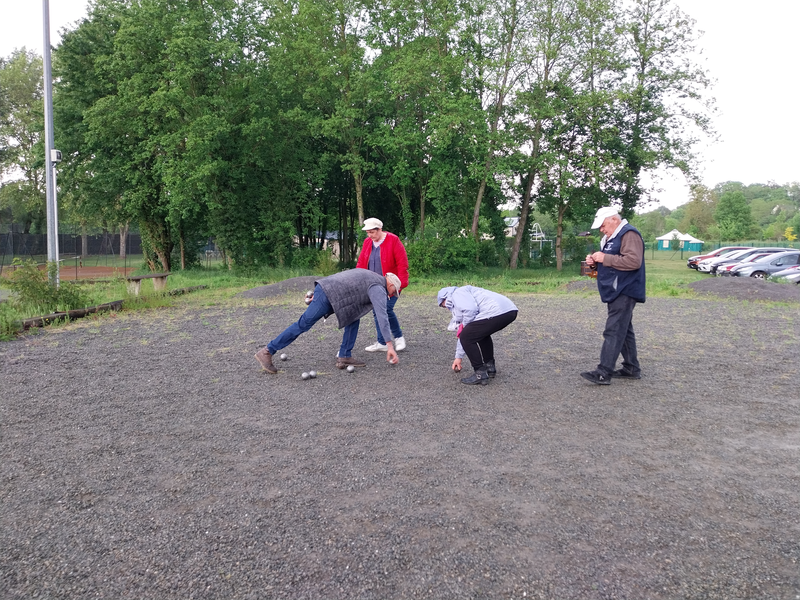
(621, 283)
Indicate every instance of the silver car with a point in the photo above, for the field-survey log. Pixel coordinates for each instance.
(725, 270)
(704, 266)
(791, 274)
(768, 265)
(738, 256)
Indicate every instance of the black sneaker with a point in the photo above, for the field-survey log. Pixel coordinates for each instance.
(596, 377)
(623, 374)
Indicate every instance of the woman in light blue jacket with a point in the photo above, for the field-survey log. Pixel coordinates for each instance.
(477, 314)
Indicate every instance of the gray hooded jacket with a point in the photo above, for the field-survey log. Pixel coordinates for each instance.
(469, 303)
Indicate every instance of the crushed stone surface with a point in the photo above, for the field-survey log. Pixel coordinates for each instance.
(146, 456)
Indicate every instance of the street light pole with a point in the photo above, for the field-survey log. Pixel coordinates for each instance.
(49, 153)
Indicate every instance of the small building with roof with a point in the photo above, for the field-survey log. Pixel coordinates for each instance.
(685, 241)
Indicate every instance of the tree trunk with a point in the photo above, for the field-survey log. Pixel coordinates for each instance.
(559, 237)
(183, 253)
(523, 220)
(526, 200)
(359, 181)
(422, 210)
(476, 213)
(405, 211)
(123, 240)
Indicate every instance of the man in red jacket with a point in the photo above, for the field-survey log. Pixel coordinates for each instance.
(383, 252)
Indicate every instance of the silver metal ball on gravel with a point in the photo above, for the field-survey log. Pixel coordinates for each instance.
(312, 374)
(284, 357)
(350, 368)
(305, 376)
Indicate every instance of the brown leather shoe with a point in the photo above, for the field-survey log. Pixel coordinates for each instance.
(344, 361)
(264, 358)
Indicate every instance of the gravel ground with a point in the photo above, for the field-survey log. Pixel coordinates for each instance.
(146, 456)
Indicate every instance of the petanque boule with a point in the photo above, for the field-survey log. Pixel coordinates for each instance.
(350, 368)
(312, 374)
(284, 357)
(309, 297)
(305, 376)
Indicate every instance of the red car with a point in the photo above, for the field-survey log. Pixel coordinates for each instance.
(692, 261)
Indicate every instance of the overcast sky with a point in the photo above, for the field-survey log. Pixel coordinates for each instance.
(749, 49)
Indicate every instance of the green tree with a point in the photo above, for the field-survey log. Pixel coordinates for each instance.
(21, 147)
(733, 216)
(698, 214)
(664, 110)
(496, 68)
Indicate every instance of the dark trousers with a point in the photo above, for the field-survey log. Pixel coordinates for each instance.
(476, 337)
(618, 337)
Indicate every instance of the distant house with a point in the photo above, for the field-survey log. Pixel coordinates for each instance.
(511, 226)
(685, 241)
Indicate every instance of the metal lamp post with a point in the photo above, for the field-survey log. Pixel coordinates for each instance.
(52, 156)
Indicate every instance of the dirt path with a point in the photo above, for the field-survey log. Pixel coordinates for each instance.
(145, 456)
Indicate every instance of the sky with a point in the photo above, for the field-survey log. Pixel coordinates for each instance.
(749, 49)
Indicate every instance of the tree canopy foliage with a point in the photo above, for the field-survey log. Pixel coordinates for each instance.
(268, 124)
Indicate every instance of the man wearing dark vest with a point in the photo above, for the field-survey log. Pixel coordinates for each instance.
(621, 283)
(349, 295)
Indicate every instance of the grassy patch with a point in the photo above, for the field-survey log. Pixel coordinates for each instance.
(667, 276)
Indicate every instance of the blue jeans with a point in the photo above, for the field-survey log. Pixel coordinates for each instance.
(320, 307)
(618, 337)
(394, 324)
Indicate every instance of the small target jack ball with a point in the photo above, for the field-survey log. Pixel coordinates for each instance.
(284, 357)
(312, 374)
(350, 368)
(305, 376)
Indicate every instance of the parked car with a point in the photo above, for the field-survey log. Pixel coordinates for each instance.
(710, 266)
(725, 270)
(787, 273)
(692, 261)
(704, 265)
(768, 265)
(794, 277)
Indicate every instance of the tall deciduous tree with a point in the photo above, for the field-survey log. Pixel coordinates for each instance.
(663, 104)
(699, 214)
(733, 215)
(495, 70)
(21, 129)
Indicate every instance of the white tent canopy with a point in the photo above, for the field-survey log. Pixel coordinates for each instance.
(684, 237)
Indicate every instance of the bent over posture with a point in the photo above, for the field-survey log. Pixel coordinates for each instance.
(349, 295)
(476, 314)
(621, 283)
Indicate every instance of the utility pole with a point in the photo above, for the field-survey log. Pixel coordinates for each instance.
(51, 155)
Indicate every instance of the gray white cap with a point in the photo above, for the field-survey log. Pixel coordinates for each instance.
(602, 214)
(372, 223)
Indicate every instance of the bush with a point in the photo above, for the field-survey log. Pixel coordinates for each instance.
(431, 255)
(575, 248)
(305, 258)
(327, 265)
(546, 255)
(9, 321)
(35, 292)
